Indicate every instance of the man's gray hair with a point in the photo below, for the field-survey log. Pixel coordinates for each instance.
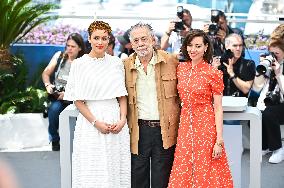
(230, 36)
(142, 25)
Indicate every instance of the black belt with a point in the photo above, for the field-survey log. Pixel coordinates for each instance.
(149, 123)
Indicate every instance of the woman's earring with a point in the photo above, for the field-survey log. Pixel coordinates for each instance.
(204, 53)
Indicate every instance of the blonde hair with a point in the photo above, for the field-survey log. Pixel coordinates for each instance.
(276, 43)
(278, 33)
(99, 25)
(277, 37)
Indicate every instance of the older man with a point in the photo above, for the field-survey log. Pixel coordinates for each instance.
(153, 109)
(238, 72)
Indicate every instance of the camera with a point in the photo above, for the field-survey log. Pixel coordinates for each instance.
(272, 98)
(228, 54)
(56, 91)
(214, 27)
(179, 26)
(265, 63)
(224, 58)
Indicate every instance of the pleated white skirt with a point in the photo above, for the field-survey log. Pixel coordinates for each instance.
(101, 160)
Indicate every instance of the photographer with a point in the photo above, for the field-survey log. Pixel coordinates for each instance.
(218, 30)
(55, 77)
(238, 73)
(125, 48)
(270, 81)
(177, 30)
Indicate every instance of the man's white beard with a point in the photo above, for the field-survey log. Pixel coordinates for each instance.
(144, 52)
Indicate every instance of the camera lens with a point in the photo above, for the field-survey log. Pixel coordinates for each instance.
(265, 63)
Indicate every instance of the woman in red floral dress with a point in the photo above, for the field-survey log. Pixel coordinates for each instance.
(200, 158)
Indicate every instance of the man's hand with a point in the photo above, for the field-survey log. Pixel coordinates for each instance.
(216, 62)
(206, 28)
(229, 66)
(171, 27)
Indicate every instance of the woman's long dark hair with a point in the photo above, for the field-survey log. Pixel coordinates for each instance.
(79, 41)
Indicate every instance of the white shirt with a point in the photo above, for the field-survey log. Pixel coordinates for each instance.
(147, 101)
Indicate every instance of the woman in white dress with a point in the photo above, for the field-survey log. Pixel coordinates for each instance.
(101, 151)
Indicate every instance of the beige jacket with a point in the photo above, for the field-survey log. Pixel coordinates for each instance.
(167, 96)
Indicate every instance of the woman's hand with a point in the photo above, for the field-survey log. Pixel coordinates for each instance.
(61, 95)
(217, 151)
(276, 67)
(103, 127)
(116, 128)
(49, 88)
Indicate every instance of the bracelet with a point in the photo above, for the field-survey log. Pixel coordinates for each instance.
(220, 144)
(94, 122)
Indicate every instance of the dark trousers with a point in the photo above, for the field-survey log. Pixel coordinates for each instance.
(153, 160)
(272, 118)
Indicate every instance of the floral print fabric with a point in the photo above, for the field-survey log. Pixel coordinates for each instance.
(193, 164)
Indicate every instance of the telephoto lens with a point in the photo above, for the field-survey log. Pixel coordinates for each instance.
(265, 63)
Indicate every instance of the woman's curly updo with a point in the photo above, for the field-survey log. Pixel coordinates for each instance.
(99, 25)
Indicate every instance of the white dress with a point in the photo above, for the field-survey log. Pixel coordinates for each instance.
(99, 160)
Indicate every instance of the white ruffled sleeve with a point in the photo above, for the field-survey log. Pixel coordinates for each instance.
(91, 79)
(121, 85)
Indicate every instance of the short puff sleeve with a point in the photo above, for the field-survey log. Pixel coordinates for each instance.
(216, 82)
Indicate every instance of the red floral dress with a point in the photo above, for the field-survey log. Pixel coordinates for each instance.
(193, 164)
